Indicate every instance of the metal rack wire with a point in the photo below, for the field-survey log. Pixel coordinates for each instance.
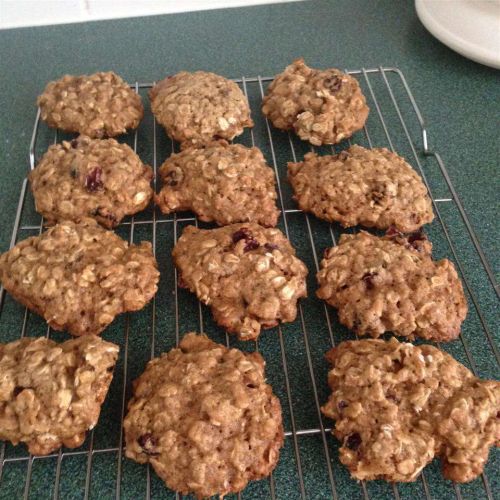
(309, 466)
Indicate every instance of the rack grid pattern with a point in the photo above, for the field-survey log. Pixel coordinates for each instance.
(309, 467)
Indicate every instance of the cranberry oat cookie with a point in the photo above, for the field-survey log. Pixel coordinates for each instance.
(322, 106)
(221, 182)
(203, 416)
(397, 406)
(51, 394)
(79, 276)
(98, 178)
(98, 105)
(247, 274)
(392, 284)
(196, 108)
(371, 187)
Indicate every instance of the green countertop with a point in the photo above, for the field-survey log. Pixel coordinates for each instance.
(459, 101)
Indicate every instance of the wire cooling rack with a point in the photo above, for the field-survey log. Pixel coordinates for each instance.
(309, 465)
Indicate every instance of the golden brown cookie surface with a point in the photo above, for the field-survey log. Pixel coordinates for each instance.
(98, 105)
(203, 416)
(98, 178)
(51, 394)
(392, 284)
(397, 406)
(371, 187)
(322, 106)
(221, 182)
(248, 275)
(197, 108)
(79, 276)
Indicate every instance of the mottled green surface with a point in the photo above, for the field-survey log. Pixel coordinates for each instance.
(458, 98)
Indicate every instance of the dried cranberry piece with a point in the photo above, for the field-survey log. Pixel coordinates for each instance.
(74, 143)
(333, 83)
(251, 245)
(242, 234)
(415, 238)
(416, 241)
(377, 196)
(270, 246)
(369, 281)
(415, 218)
(171, 178)
(93, 181)
(245, 234)
(353, 441)
(393, 231)
(342, 405)
(397, 365)
(148, 442)
(106, 215)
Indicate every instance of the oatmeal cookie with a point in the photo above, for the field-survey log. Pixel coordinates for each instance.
(79, 276)
(397, 406)
(221, 182)
(247, 274)
(98, 105)
(196, 108)
(371, 187)
(98, 178)
(51, 394)
(392, 284)
(203, 416)
(322, 106)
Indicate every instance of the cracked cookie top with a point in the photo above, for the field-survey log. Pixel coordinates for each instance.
(204, 417)
(98, 178)
(391, 283)
(371, 187)
(322, 106)
(79, 276)
(247, 274)
(397, 406)
(51, 394)
(221, 182)
(196, 108)
(98, 105)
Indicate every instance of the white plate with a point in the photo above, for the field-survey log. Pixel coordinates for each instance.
(469, 27)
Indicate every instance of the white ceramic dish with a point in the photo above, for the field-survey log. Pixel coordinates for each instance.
(469, 27)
